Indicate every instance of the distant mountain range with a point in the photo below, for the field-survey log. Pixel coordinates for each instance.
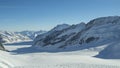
(11, 37)
(103, 32)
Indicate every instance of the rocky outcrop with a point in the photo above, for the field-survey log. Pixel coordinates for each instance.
(1, 46)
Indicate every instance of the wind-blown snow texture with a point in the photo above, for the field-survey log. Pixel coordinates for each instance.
(97, 32)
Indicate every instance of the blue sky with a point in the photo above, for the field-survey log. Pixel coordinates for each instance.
(18, 15)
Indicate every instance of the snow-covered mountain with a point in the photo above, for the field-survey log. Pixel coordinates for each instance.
(11, 37)
(50, 35)
(57, 36)
(105, 28)
(31, 34)
(98, 32)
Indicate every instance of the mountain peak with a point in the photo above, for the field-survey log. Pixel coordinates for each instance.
(61, 27)
(104, 20)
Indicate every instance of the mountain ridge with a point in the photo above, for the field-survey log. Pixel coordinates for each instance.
(13, 37)
(98, 32)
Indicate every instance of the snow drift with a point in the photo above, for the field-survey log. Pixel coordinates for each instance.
(111, 52)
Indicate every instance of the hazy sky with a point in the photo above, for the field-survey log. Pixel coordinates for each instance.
(18, 15)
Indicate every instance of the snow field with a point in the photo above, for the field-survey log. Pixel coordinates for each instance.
(76, 65)
(74, 59)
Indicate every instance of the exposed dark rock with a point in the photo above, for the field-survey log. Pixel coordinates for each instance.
(1, 45)
(90, 39)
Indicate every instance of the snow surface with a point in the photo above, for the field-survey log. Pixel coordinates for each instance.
(23, 56)
(112, 51)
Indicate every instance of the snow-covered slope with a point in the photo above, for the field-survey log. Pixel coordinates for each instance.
(97, 32)
(111, 52)
(26, 57)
